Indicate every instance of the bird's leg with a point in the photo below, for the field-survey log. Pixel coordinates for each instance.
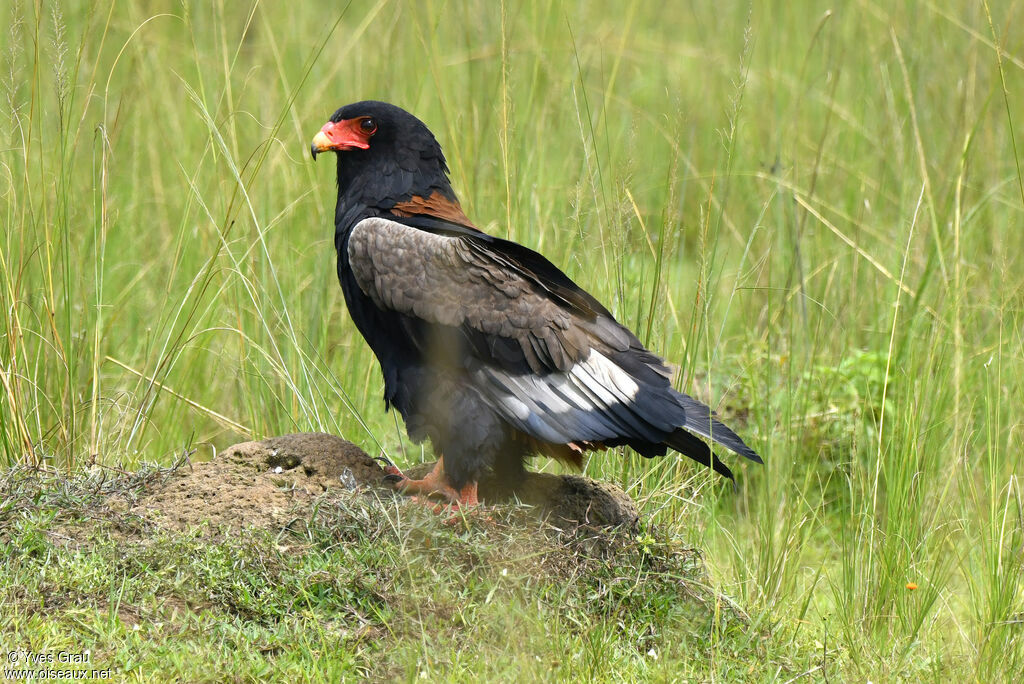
(434, 482)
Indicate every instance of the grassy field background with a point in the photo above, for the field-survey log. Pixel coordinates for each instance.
(815, 210)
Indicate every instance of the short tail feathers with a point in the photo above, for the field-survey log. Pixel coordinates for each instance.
(699, 419)
(688, 445)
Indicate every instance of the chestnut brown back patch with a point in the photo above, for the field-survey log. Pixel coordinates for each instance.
(436, 205)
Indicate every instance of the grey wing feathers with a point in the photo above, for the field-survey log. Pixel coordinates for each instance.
(585, 377)
(446, 281)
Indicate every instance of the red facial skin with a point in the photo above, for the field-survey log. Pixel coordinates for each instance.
(340, 136)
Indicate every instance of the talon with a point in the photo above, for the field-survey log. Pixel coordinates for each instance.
(385, 460)
(434, 483)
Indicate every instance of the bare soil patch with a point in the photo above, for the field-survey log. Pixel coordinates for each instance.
(270, 483)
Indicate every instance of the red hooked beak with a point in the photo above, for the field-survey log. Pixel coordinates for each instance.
(339, 137)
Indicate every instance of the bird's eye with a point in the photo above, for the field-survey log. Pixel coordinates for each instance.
(368, 126)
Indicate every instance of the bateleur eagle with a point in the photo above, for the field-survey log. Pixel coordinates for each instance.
(487, 349)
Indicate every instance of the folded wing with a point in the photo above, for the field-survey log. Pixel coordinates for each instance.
(542, 352)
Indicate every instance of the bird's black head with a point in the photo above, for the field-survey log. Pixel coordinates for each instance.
(385, 156)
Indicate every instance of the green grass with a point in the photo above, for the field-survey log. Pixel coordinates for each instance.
(815, 210)
(365, 589)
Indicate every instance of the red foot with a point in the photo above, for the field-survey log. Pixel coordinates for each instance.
(434, 483)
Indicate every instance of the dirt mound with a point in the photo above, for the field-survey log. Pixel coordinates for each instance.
(272, 482)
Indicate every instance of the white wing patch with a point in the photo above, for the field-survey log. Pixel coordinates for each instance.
(609, 382)
(562, 407)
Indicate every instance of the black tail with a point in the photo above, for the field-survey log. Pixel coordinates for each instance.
(700, 419)
(692, 447)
